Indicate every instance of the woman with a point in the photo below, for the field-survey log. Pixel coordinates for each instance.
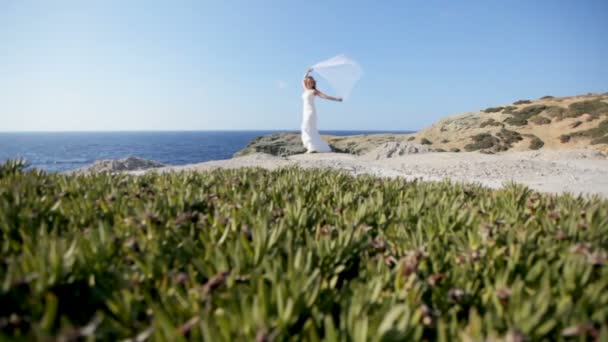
(310, 135)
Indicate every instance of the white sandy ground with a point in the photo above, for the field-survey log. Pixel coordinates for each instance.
(573, 171)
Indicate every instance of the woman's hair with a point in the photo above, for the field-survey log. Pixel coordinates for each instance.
(310, 82)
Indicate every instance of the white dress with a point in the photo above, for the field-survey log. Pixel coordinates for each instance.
(310, 135)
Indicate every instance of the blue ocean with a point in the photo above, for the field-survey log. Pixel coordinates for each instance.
(62, 151)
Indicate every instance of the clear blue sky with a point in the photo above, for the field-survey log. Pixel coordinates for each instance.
(197, 65)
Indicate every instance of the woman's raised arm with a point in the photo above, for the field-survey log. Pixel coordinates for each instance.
(327, 97)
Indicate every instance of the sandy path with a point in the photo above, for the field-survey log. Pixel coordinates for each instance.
(575, 171)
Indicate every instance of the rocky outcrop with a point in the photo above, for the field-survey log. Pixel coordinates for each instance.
(119, 165)
(278, 144)
(287, 144)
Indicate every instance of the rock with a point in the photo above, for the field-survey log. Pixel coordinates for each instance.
(278, 144)
(395, 149)
(287, 144)
(119, 165)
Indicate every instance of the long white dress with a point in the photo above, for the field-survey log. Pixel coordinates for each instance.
(310, 135)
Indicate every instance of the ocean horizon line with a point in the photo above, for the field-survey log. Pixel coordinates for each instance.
(210, 130)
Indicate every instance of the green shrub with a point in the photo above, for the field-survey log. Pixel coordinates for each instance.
(493, 109)
(509, 109)
(595, 108)
(490, 122)
(599, 134)
(541, 120)
(555, 112)
(425, 141)
(520, 102)
(293, 254)
(509, 137)
(547, 97)
(521, 117)
(411, 138)
(516, 121)
(536, 143)
(482, 141)
(454, 149)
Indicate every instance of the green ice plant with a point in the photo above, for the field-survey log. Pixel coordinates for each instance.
(295, 254)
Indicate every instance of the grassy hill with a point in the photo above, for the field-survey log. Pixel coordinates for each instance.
(549, 122)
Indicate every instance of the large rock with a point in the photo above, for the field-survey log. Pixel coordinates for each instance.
(278, 144)
(119, 165)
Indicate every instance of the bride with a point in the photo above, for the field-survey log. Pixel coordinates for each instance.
(310, 135)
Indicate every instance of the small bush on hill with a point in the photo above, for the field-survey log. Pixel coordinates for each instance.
(536, 143)
(411, 138)
(490, 122)
(482, 141)
(521, 117)
(595, 108)
(493, 109)
(555, 112)
(599, 134)
(541, 120)
(425, 141)
(520, 102)
(509, 109)
(509, 137)
(547, 97)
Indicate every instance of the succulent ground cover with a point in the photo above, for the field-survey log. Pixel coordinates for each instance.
(293, 254)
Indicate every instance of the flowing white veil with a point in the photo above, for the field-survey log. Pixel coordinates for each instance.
(341, 72)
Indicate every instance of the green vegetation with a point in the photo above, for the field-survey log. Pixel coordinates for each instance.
(595, 108)
(454, 149)
(598, 135)
(490, 122)
(536, 143)
(521, 117)
(520, 102)
(509, 137)
(555, 112)
(547, 97)
(541, 120)
(509, 109)
(292, 254)
(493, 109)
(482, 141)
(411, 138)
(425, 141)
(487, 142)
